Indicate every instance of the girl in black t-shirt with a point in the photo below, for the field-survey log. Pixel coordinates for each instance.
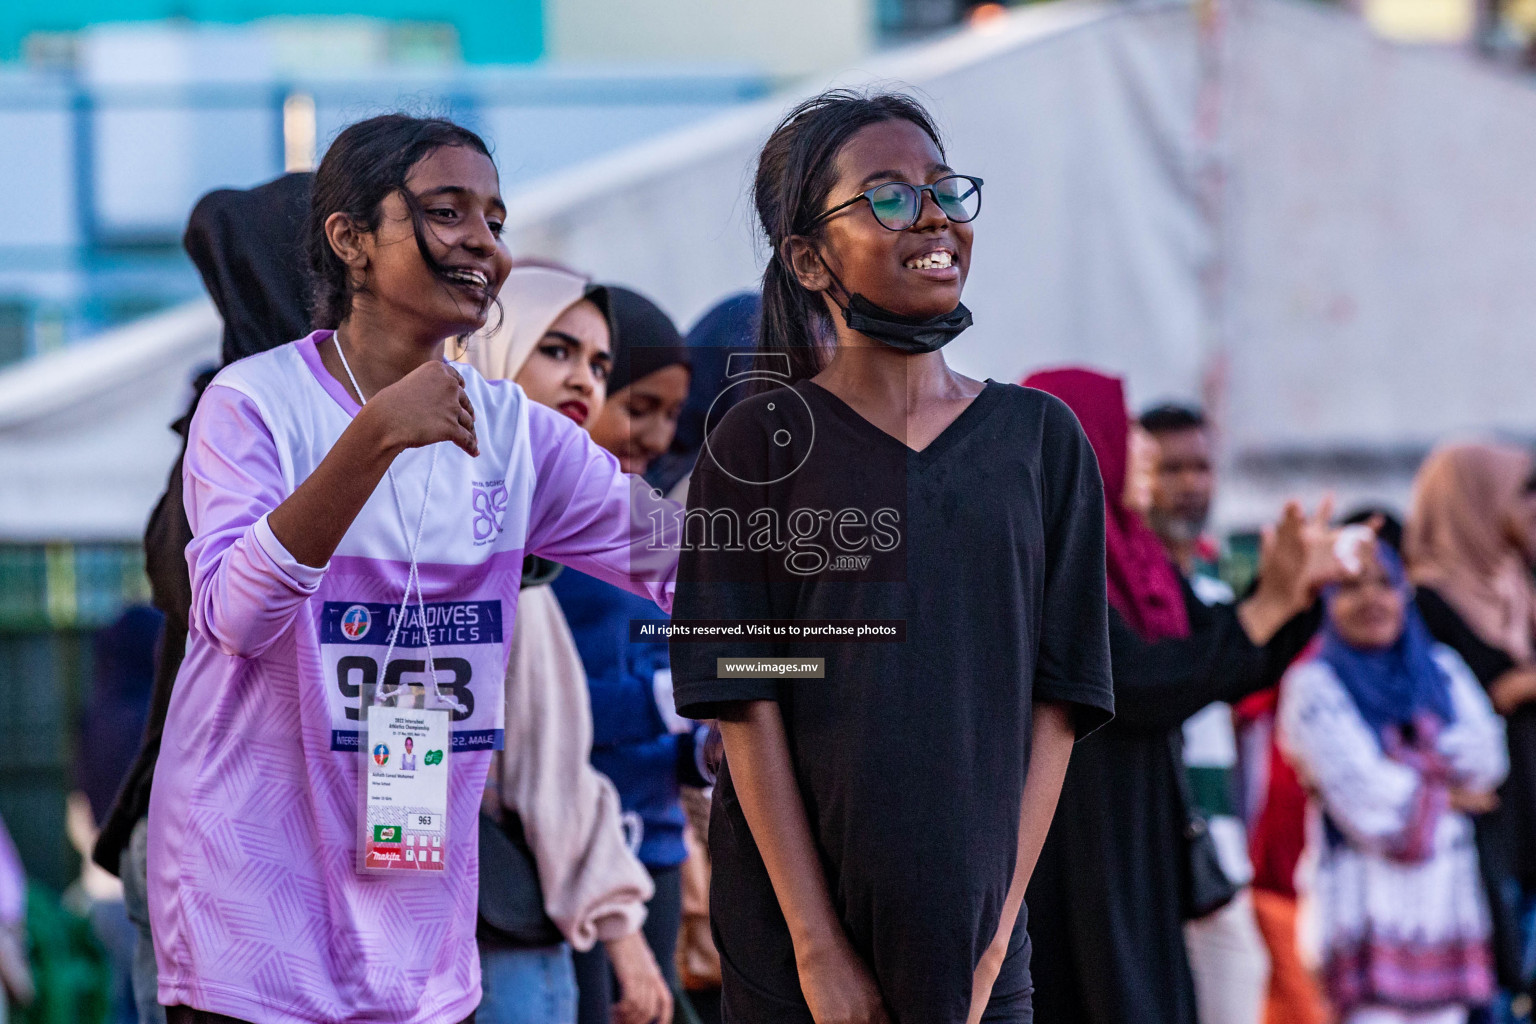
(874, 828)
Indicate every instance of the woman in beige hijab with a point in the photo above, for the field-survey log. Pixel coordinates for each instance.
(1470, 543)
(554, 342)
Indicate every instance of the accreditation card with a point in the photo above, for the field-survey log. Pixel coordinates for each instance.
(403, 789)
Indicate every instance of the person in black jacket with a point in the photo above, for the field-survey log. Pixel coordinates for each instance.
(1469, 546)
(247, 245)
(1109, 898)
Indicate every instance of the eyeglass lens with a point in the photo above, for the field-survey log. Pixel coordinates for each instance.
(897, 205)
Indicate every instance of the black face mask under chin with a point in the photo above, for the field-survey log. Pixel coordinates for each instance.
(903, 333)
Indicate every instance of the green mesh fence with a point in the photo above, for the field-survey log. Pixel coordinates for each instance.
(53, 597)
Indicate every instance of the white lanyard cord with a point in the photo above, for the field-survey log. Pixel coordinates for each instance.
(414, 577)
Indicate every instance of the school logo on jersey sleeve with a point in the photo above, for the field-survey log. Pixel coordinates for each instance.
(355, 622)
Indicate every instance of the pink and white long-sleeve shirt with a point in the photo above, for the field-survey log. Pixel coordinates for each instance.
(257, 908)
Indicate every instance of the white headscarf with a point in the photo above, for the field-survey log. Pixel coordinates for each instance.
(532, 299)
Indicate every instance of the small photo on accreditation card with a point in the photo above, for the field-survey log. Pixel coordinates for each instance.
(404, 791)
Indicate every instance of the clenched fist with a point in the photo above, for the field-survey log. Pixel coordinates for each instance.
(424, 407)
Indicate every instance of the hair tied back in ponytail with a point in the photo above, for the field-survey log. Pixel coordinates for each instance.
(795, 174)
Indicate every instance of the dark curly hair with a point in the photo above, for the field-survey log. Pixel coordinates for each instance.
(795, 175)
(368, 161)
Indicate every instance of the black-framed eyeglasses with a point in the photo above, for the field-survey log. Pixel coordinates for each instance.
(897, 205)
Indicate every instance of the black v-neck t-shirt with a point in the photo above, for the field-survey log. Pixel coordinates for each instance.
(910, 756)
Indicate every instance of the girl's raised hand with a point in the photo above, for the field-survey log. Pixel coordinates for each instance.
(424, 407)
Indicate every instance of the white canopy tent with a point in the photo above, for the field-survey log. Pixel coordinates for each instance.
(1326, 236)
(85, 443)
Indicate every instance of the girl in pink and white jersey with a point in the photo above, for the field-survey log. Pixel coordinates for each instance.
(320, 490)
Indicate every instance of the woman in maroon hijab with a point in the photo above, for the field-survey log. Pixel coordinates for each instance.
(1107, 901)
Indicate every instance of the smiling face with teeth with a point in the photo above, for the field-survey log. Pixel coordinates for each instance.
(919, 272)
(456, 195)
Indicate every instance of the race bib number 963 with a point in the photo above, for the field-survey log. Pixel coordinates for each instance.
(467, 655)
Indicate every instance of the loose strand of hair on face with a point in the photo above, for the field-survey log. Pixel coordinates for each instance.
(419, 229)
(795, 175)
(366, 163)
